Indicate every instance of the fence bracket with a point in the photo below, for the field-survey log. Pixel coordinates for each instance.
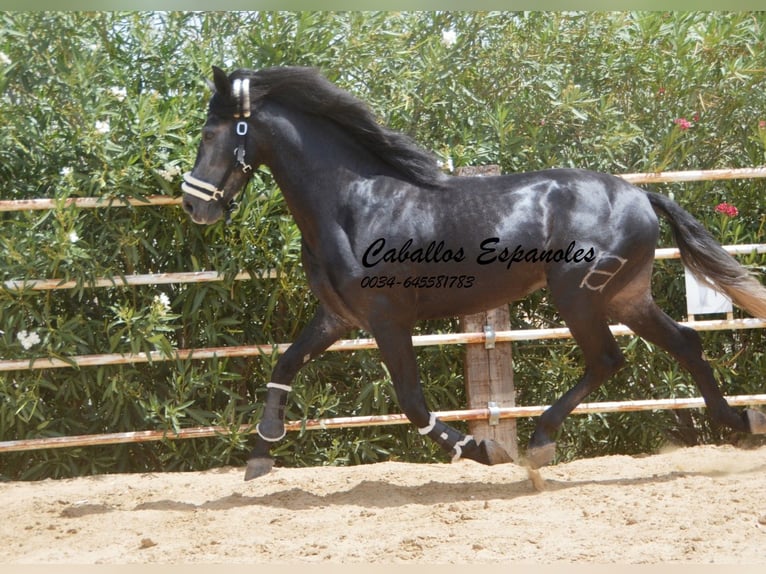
(494, 413)
(489, 337)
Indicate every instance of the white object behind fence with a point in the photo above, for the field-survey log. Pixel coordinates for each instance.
(704, 300)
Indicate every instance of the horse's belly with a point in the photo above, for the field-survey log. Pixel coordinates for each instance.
(464, 294)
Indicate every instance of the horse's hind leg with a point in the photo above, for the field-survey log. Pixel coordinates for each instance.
(603, 358)
(651, 323)
(398, 354)
(321, 332)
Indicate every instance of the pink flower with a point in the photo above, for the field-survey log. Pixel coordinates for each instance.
(683, 123)
(661, 92)
(762, 125)
(727, 209)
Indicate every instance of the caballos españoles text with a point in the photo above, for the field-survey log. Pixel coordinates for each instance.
(489, 252)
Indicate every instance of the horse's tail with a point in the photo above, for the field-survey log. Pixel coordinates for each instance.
(708, 261)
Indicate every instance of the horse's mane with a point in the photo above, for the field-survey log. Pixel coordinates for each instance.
(307, 90)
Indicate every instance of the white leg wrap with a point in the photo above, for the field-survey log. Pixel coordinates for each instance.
(286, 388)
(430, 427)
(268, 439)
(459, 448)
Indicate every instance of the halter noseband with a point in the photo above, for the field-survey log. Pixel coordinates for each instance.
(207, 191)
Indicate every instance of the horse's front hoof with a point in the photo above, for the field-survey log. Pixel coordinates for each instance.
(756, 421)
(539, 456)
(258, 467)
(494, 453)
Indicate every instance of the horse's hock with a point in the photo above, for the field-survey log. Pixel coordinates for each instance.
(489, 366)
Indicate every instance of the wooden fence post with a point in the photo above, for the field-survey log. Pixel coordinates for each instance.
(489, 366)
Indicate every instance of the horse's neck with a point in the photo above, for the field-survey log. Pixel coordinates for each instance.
(312, 162)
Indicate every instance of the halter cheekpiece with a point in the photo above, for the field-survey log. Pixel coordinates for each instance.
(207, 191)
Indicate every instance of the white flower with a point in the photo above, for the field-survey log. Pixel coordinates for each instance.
(66, 171)
(170, 172)
(162, 300)
(73, 237)
(449, 37)
(119, 93)
(28, 340)
(4, 59)
(102, 127)
(447, 165)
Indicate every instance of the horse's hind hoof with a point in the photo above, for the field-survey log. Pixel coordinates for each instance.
(756, 421)
(495, 454)
(537, 480)
(258, 467)
(540, 456)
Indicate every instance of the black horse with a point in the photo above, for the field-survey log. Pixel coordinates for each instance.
(389, 239)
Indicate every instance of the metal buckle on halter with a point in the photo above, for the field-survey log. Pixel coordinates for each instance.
(240, 150)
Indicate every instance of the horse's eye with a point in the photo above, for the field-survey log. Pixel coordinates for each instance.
(207, 136)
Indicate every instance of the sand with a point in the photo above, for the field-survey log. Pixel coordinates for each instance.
(693, 505)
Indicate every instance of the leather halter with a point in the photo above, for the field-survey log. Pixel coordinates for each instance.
(207, 191)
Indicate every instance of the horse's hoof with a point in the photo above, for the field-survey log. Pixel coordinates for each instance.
(495, 453)
(258, 467)
(537, 480)
(756, 421)
(540, 456)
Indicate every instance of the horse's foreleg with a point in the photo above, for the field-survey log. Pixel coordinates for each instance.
(321, 332)
(398, 354)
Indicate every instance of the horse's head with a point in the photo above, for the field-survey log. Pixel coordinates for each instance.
(226, 156)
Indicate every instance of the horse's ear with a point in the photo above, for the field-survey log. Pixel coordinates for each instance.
(221, 81)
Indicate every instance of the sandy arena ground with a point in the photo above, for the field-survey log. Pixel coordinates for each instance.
(695, 505)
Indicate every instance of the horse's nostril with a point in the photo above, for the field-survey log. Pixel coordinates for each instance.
(188, 207)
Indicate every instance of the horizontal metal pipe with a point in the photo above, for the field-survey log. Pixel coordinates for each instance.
(86, 202)
(213, 276)
(159, 200)
(362, 421)
(342, 345)
(132, 280)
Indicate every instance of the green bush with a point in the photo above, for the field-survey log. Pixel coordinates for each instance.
(110, 105)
